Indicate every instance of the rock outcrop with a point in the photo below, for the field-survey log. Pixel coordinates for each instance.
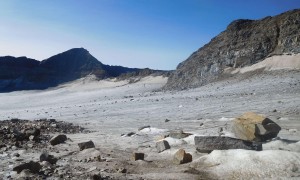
(243, 43)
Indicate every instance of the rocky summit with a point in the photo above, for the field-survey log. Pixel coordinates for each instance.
(243, 43)
(23, 73)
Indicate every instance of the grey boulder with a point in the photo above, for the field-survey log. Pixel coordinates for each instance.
(206, 144)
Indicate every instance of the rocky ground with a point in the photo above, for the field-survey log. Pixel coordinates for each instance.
(122, 119)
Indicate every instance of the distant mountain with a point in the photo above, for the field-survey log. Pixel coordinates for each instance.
(25, 74)
(243, 43)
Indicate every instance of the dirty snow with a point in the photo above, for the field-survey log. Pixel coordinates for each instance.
(111, 108)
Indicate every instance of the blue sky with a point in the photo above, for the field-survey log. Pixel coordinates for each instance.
(135, 33)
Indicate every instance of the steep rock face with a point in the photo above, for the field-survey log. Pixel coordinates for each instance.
(243, 43)
(17, 73)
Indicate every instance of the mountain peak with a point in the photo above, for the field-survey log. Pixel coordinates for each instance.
(78, 50)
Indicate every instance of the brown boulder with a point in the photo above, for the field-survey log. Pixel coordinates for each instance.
(253, 127)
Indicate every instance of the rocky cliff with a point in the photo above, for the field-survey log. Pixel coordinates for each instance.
(25, 74)
(243, 43)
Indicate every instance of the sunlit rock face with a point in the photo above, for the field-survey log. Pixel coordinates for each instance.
(243, 43)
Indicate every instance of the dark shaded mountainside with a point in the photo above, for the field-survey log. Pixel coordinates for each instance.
(243, 43)
(27, 74)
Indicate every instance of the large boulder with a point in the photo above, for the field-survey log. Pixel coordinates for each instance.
(181, 157)
(206, 144)
(254, 127)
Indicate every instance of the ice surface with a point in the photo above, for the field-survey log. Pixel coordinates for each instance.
(111, 108)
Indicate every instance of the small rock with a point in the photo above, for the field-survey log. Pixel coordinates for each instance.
(138, 156)
(25, 174)
(122, 170)
(162, 145)
(130, 134)
(33, 132)
(30, 145)
(58, 139)
(86, 145)
(220, 129)
(181, 157)
(33, 167)
(31, 138)
(16, 154)
(143, 127)
(98, 158)
(201, 124)
(14, 148)
(167, 120)
(178, 134)
(97, 177)
(46, 164)
(47, 157)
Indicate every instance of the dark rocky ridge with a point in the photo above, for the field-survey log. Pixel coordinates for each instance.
(243, 43)
(26, 74)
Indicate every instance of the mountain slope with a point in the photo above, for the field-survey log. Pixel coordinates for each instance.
(25, 74)
(73, 64)
(243, 43)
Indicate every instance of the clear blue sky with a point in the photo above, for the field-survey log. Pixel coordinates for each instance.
(135, 33)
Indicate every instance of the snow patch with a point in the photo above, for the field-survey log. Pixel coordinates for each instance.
(288, 62)
(245, 164)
